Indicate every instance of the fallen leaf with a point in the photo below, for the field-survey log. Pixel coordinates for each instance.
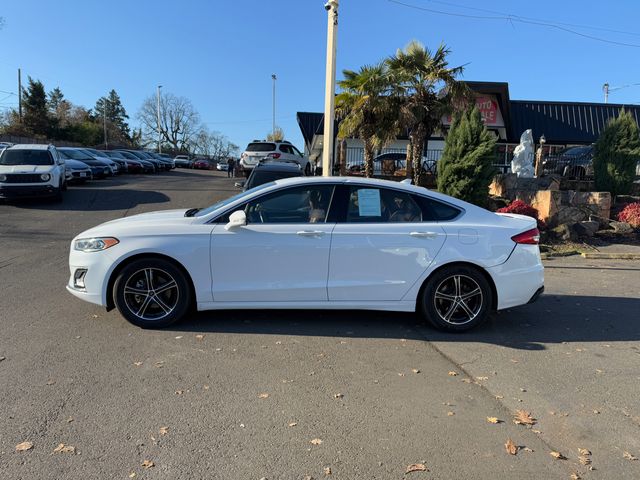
(511, 447)
(70, 419)
(179, 392)
(94, 315)
(199, 336)
(178, 337)
(137, 364)
(51, 382)
(417, 467)
(159, 364)
(415, 370)
(338, 395)
(62, 448)
(499, 397)
(24, 446)
(2, 358)
(450, 414)
(583, 451)
(557, 455)
(522, 417)
(493, 420)
(584, 460)
(164, 430)
(597, 412)
(132, 475)
(482, 378)
(575, 476)
(293, 424)
(206, 387)
(401, 374)
(628, 456)
(263, 395)
(327, 470)
(527, 449)
(453, 374)
(466, 380)
(316, 441)
(148, 464)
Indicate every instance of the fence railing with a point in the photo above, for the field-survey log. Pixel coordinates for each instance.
(36, 140)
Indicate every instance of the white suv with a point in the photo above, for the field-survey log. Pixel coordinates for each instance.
(32, 171)
(283, 151)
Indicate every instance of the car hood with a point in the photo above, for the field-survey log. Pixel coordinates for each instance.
(144, 222)
(26, 168)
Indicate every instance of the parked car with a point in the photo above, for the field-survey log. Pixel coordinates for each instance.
(313, 243)
(157, 166)
(222, 165)
(120, 164)
(183, 161)
(202, 164)
(259, 149)
(575, 162)
(167, 163)
(147, 166)
(270, 170)
(32, 171)
(99, 169)
(167, 158)
(77, 171)
(132, 166)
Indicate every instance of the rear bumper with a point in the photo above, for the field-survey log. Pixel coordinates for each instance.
(536, 295)
(27, 191)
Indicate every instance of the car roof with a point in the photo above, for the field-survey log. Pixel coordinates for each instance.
(30, 146)
(279, 167)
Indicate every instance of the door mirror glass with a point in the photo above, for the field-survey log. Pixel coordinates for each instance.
(236, 219)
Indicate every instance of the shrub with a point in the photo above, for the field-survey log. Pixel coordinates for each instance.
(631, 214)
(522, 208)
(466, 168)
(615, 155)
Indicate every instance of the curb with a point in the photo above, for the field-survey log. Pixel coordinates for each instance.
(547, 256)
(611, 256)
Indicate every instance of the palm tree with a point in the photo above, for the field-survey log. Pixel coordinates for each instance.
(429, 89)
(365, 109)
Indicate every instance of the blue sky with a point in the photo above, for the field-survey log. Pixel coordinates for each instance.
(221, 54)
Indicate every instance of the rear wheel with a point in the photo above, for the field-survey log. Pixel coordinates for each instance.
(456, 299)
(152, 293)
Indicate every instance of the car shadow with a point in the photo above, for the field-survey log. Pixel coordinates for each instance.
(95, 199)
(552, 319)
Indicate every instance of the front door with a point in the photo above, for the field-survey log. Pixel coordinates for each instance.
(281, 255)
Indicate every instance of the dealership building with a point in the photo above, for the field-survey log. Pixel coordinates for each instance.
(562, 124)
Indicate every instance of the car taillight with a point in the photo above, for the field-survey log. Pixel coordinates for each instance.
(274, 155)
(530, 237)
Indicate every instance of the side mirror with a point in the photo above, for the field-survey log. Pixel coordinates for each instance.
(236, 219)
(239, 184)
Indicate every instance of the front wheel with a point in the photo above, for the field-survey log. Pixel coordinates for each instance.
(152, 293)
(456, 299)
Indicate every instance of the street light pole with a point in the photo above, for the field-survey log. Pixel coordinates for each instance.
(273, 123)
(605, 88)
(329, 89)
(159, 130)
(104, 122)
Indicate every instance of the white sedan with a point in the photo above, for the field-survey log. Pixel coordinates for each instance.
(313, 243)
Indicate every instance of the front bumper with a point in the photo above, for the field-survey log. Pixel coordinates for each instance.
(27, 191)
(98, 266)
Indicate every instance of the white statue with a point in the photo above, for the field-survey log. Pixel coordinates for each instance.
(522, 163)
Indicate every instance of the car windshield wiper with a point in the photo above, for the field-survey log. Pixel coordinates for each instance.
(191, 212)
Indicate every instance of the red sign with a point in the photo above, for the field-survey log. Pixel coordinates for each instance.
(489, 110)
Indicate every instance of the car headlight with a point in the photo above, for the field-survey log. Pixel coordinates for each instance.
(94, 244)
(45, 177)
(3, 178)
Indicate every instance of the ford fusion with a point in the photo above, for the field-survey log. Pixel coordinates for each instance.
(313, 243)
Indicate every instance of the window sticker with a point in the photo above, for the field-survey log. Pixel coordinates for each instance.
(369, 202)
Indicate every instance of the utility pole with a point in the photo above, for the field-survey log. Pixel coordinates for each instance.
(605, 88)
(104, 122)
(273, 123)
(159, 129)
(329, 89)
(20, 95)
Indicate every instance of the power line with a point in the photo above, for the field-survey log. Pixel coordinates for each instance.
(512, 19)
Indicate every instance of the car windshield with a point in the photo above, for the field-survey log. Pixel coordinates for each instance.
(260, 177)
(230, 200)
(25, 157)
(261, 147)
(115, 155)
(76, 154)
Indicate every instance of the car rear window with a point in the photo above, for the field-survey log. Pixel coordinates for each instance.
(26, 157)
(261, 147)
(435, 211)
(259, 177)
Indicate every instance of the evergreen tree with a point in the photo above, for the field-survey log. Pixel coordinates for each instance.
(115, 112)
(34, 106)
(466, 167)
(616, 154)
(55, 100)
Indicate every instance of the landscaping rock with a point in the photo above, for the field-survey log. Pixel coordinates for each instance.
(564, 232)
(588, 228)
(621, 227)
(573, 215)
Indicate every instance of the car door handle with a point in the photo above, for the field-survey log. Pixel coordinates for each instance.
(424, 234)
(310, 233)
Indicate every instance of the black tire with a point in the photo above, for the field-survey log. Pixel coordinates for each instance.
(144, 306)
(440, 299)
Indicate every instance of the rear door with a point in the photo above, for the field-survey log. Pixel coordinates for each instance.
(381, 246)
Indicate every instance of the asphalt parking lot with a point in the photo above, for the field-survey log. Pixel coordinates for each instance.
(293, 394)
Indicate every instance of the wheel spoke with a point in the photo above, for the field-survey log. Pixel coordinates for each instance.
(148, 275)
(445, 296)
(158, 301)
(135, 291)
(144, 306)
(447, 316)
(466, 309)
(456, 282)
(166, 286)
(473, 293)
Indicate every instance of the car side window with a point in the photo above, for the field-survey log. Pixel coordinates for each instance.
(285, 149)
(436, 211)
(306, 204)
(381, 205)
(296, 151)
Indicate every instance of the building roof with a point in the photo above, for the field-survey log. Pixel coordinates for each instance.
(564, 122)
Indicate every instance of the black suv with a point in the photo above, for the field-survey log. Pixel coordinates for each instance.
(269, 170)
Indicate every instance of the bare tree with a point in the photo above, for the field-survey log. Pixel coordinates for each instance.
(276, 136)
(179, 121)
(213, 144)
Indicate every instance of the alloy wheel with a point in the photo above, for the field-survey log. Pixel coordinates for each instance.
(458, 299)
(151, 294)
